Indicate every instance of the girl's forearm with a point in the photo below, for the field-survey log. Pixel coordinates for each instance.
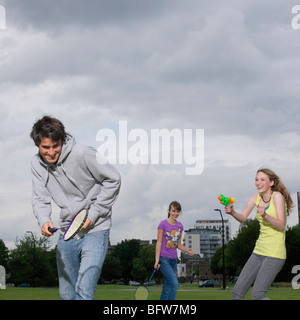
(157, 251)
(182, 248)
(237, 216)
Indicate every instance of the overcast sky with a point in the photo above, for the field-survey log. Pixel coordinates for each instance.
(230, 68)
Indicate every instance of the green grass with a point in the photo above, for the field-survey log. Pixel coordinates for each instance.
(29, 294)
(116, 292)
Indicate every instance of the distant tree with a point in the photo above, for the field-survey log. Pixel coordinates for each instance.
(112, 268)
(216, 264)
(240, 248)
(3, 254)
(31, 261)
(126, 251)
(143, 264)
(293, 253)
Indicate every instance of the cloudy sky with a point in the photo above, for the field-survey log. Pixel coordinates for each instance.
(230, 68)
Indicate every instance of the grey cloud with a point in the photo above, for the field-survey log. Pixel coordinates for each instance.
(55, 15)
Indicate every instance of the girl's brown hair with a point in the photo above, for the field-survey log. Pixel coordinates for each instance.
(176, 205)
(279, 186)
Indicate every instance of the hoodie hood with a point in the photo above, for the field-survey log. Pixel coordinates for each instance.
(66, 149)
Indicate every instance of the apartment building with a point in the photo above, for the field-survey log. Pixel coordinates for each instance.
(206, 237)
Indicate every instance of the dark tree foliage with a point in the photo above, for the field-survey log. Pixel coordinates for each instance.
(32, 262)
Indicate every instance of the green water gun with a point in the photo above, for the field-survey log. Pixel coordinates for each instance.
(226, 201)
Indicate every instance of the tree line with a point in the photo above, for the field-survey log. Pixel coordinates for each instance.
(33, 260)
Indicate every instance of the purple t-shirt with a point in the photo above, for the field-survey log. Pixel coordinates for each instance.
(170, 238)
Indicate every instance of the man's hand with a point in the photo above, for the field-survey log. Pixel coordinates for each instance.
(45, 227)
(88, 223)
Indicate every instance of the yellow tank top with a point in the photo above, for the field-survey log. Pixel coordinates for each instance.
(271, 242)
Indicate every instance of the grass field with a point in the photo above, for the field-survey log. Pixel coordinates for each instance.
(116, 292)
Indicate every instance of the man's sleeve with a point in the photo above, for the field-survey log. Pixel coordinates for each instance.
(41, 199)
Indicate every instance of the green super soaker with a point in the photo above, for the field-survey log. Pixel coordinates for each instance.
(226, 201)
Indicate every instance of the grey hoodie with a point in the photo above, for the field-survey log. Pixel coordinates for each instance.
(77, 181)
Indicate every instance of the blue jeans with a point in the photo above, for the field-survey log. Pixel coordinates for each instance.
(168, 267)
(79, 264)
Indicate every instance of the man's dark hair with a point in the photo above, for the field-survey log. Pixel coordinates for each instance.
(48, 127)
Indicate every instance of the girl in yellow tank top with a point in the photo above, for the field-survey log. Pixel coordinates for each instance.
(273, 203)
(271, 241)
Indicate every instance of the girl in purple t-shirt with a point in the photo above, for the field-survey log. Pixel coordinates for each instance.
(168, 241)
